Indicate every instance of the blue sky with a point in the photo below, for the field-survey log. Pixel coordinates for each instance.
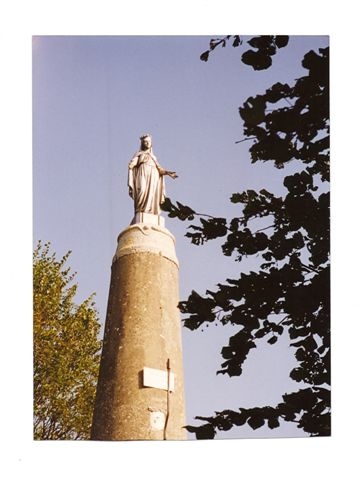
(92, 99)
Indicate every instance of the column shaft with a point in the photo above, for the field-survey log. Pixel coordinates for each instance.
(142, 330)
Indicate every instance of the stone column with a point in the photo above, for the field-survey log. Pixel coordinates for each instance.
(140, 391)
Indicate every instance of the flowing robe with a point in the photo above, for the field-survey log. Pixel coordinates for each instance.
(146, 184)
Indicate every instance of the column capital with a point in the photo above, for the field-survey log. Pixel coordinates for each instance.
(146, 237)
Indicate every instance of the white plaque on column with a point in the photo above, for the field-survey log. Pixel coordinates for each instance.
(158, 379)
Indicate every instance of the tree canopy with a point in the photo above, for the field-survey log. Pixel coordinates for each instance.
(290, 290)
(66, 351)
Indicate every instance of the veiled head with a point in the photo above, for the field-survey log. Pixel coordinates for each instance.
(146, 141)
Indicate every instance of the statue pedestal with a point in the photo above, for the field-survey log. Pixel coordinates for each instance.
(149, 218)
(140, 391)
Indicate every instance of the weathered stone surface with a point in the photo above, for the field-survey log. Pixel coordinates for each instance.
(142, 330)
(148, 238)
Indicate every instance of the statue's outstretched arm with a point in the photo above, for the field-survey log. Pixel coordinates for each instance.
(171, 174)
(162, 170)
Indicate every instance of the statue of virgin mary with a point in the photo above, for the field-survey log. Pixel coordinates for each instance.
(146, 179)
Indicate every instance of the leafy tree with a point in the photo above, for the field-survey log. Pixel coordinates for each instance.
(259, 56)
(290, 291)
(66, 351)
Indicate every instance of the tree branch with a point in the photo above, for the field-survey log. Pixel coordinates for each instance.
(291, 105)
(204, 215)
(281, 321)
(245, 139)
(266, 228)
(310, 268)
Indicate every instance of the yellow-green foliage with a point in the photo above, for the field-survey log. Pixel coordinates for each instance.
(66, 351)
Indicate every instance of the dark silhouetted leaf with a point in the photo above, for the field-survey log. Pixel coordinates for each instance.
(204, 56)
(256, 422)
(237, 41)
(273, 423)
(257, 60)
(281, 40)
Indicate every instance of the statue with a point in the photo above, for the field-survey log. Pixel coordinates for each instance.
(146, 179)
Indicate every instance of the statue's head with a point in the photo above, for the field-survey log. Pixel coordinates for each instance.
(145, 141)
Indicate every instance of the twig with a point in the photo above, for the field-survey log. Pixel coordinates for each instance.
(309, 268)
(287, 316)
(261, 229)
(245, 139)
(291, 105)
